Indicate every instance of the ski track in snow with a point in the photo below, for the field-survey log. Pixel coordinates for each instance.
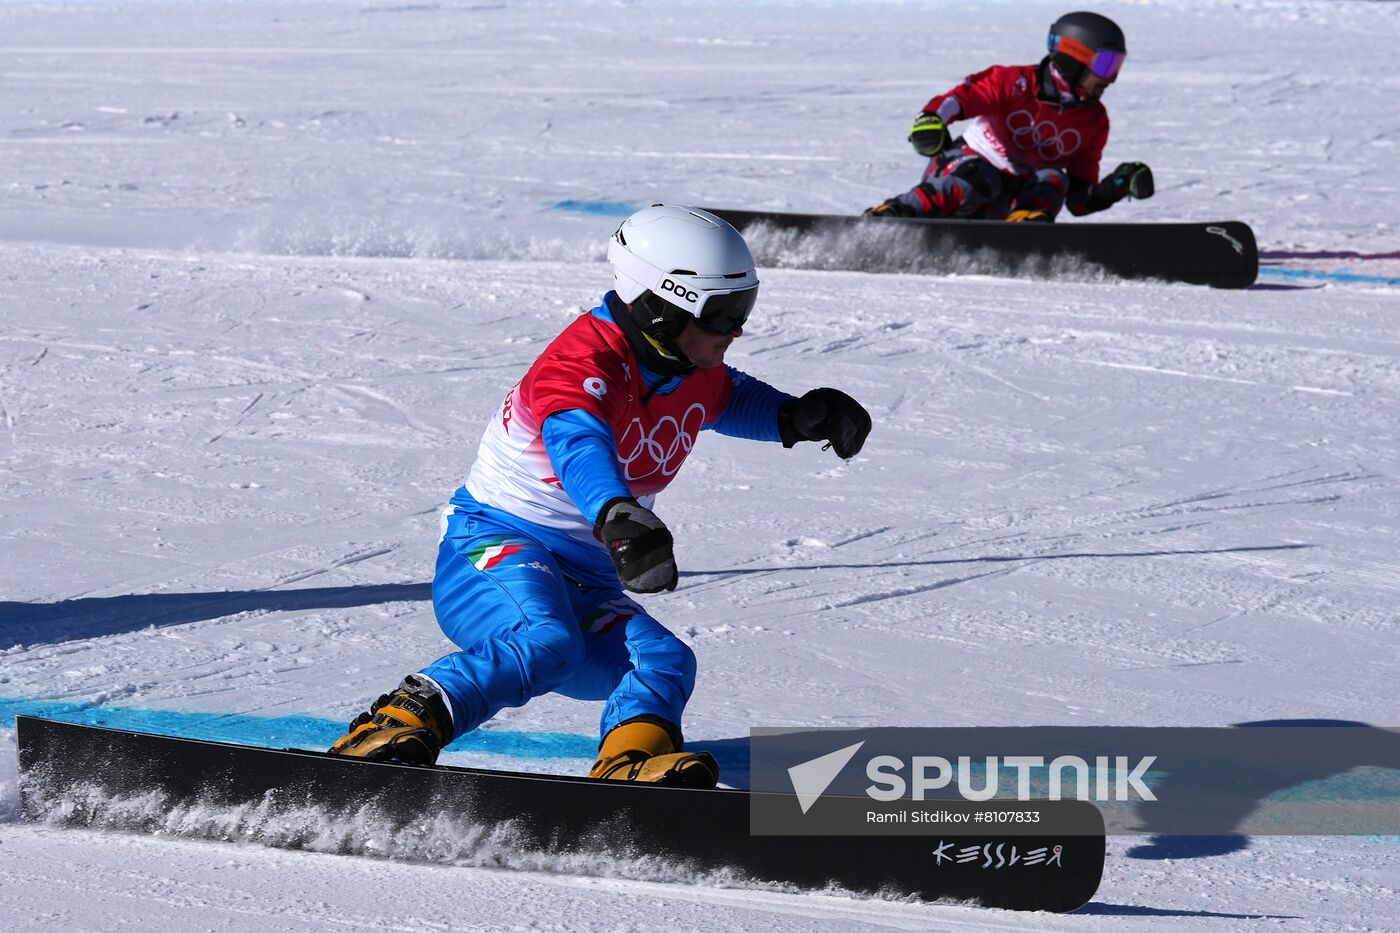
(269, 267)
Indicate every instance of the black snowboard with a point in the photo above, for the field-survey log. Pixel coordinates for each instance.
(67, 771)
(1222, 254)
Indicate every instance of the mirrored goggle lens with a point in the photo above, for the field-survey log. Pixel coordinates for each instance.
(724, 314)
(1103, 63)
(1106, 64)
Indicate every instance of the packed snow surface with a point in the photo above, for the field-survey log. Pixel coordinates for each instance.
(269, 267)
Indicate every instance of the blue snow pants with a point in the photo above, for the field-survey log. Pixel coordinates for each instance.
(525, 630)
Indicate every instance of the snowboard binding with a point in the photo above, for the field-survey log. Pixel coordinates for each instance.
(645, 750)
(410, 725)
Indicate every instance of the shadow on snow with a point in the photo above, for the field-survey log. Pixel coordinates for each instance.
(71, 619)
(47, 623)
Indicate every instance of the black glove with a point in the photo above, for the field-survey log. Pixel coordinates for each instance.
(639, 545)
(1128, 180)
(929, 135)
(825, 415)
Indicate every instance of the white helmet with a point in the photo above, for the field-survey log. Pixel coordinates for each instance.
(688, 258)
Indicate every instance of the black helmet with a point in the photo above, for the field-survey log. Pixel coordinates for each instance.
(1086, 40)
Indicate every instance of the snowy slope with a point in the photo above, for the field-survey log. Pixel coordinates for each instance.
(269, 267)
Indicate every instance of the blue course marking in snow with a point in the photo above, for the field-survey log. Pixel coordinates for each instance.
(600, 208)
(281, 731)
(1330, 276)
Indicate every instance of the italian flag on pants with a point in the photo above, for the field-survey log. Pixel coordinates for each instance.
(491, 552)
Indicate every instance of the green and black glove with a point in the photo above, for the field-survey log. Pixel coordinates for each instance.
(1129, 180)
(929, 135)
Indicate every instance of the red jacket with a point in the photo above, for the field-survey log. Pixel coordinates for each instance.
(1014, 129)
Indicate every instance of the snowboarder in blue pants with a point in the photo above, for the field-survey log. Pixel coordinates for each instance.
(555, 520)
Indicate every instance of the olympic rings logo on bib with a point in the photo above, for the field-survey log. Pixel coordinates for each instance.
(1045, 137)
(662, 449)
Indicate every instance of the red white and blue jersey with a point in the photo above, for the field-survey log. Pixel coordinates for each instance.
(1014, 129)
(591, 369)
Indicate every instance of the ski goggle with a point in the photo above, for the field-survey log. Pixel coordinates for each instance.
(718, 314)
(725, 313)
(1105, 63)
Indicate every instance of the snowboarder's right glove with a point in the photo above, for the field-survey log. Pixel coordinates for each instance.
(929, 134)
(639, 545)
(825, 415)
(1128, 180)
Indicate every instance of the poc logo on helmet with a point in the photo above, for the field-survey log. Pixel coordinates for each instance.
(667, 285)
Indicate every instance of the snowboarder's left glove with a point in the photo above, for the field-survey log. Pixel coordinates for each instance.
(825, 415)
(929, 134)
(639, 545)
(1128, 180)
